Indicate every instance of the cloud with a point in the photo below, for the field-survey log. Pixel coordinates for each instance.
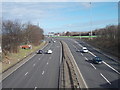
(86, 4)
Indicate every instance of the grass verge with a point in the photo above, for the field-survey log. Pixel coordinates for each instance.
(17, 57)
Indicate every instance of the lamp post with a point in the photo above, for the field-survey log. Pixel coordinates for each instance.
(91, 19)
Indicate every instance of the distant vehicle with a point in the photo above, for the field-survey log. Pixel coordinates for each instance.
(49, 52)
(40, 52)
(54, 41)
(97, 60)
(84, 50)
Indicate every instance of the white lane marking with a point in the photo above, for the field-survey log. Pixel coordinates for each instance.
(78, 43)
(21, 64)
(34, 65)
(26, 73)
(105, 78)
(50, 57)
(92, 54)
(93, 66)
(86, 58)
(81, 54)
(78, 69)
(47, 63)
(43, 72)
(74, 46)
(35, 88)
(111, 67)
(60, 54)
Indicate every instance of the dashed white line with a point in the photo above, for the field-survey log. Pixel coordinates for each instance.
(26, 73)
(92, 54)
(111, 67)
(43, 72)
(86, 58)
(50, 57)
(105, 78)
(35, 88)
(93, 66)
(34, 65)
(81, 54)
(47, 63)
(74, 46)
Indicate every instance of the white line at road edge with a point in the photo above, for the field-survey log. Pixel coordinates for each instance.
(105, 78)
(103, 61)
(61, 54)
(111, 67)
(21, 64)
(78, 69)
(93, 66)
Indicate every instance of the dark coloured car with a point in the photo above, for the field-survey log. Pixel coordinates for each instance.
(97, 60)
(40, 52)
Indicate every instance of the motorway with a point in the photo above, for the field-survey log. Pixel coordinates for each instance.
(41, 71)
(106, 75)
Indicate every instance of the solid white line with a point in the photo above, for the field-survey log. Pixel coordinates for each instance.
(86, 58)
(105, 78)
(60, 53)
(111, 67)
(26, 73)
(78, 69)
(43, 72)
(93, 66)
(18, 67)
(21, 65)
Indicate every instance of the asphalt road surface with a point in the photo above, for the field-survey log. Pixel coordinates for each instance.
(41, 71)
(105, 75)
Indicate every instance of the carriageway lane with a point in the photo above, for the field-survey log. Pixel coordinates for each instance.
(96, 76)
(37, 71)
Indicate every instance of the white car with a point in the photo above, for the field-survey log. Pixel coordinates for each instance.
(84, 49)
(49, 52)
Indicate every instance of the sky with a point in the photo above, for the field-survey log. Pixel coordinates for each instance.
(63, 16)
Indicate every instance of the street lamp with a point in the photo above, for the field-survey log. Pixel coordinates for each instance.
(91, 18)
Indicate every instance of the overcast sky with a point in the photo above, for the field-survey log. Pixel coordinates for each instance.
(63, 16)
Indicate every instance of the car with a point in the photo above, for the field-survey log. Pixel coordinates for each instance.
(49, 52)
(97, 60)
(54, 41)
(40, 52)
(84, 50)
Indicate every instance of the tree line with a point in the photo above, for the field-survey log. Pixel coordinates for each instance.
(15, 33)
(108, 39)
